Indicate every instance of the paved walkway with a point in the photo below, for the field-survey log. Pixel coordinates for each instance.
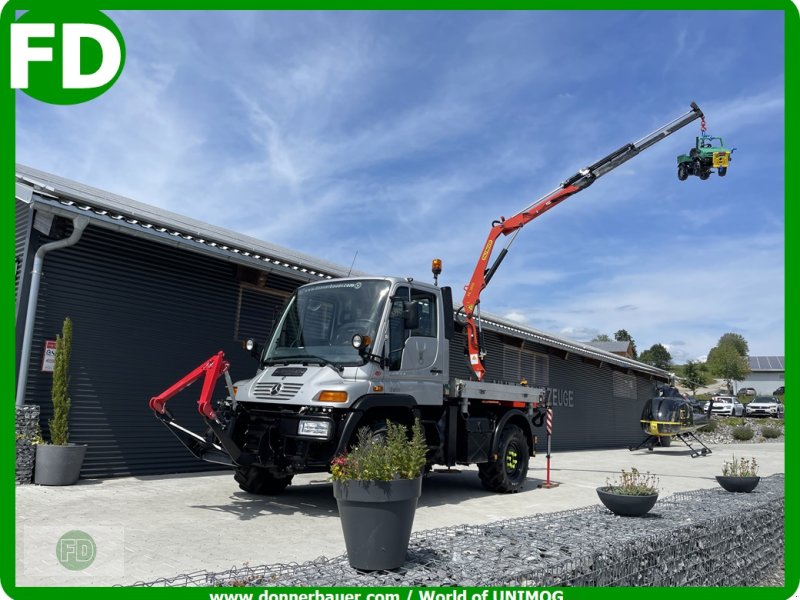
(160, 526)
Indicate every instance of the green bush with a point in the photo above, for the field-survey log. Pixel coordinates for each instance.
(770, 432)
(383, 458)
(743, 433)
(709, 427)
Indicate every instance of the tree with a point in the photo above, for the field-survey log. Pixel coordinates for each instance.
(725, 361)
(624, 336)
(658, 356)
(694, 375)
(737, 341)
(601, 338)
(59, 424)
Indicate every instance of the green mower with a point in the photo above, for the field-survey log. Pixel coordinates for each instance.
(708, 153)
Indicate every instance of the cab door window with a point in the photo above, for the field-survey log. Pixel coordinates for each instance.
(398, 334)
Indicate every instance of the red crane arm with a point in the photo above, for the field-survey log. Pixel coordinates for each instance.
(581, 180)
(481, 276)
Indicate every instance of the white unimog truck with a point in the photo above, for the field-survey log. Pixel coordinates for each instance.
(356, 352)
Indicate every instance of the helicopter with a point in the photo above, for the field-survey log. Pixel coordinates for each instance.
(671, 415)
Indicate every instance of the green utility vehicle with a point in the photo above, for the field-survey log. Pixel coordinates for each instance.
(708, 153)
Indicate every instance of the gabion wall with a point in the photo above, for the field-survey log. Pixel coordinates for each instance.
(27, 431)
(699, 538)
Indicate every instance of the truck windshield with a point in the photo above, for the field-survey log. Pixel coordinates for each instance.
(320, 321)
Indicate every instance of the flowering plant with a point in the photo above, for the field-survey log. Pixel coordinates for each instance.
(633, 483)
(740, 468)
(383, 458)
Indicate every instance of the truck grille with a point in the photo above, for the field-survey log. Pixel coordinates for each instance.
(276, 391)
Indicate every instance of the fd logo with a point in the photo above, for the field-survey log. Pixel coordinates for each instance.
(65, 57)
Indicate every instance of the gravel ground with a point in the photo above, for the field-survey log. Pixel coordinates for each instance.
(723, 434)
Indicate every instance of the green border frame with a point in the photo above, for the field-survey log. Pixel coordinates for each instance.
(792, 247)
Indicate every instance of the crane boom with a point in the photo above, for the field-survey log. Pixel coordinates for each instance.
(581, 180)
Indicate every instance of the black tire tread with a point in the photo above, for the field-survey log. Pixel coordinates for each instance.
(255, 480)
(493, 474)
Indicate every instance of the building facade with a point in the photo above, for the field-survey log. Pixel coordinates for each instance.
(152, 293)
(767, 373)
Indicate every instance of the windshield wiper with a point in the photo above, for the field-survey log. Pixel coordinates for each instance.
(306, 359)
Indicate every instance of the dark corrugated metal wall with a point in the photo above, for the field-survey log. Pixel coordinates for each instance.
(23, 261)
(144, 315)
(586, 412)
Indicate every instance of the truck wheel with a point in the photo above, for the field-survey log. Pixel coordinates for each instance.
(507, 473)
(705, 175)
(683, 172)
(260, 481)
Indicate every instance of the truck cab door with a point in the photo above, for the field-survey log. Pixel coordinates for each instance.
(417, 354)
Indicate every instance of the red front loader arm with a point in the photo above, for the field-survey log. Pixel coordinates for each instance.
(206, 448)
(212, 369)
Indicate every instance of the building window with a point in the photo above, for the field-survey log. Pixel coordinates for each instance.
(624, 385)
(520, 363)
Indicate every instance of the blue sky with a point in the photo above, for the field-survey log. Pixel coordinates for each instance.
(403, 135)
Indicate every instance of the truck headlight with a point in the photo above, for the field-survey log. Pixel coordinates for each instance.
(320, 429)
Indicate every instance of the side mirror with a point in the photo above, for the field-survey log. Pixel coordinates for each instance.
(252, 347)
(410, 315)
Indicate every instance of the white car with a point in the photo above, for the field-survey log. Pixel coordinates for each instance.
(727, 405)
(765, 406)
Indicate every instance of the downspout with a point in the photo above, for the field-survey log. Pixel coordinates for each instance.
(78, 226)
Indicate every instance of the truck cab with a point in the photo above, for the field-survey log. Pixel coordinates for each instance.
(344, 354)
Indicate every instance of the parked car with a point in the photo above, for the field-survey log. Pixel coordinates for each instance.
(779, 391)
(746, 391)
(765, 406)
(727, 405)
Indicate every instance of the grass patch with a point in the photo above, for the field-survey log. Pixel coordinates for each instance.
(733, 421)
(770, 432)
(743, 433)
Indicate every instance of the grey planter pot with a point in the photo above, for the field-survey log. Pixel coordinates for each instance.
(738, 484)
(627, 506)
(58, 465)
(376, 518)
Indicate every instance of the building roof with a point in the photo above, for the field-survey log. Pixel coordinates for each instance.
(766, 363)
(614, 347)
(61, 196)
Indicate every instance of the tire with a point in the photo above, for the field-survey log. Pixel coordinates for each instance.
(507, 474)
(255, 480)
(722, 171)
(683, 172)
(705, 175)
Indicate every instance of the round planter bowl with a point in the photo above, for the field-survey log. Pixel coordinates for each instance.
(626, 506)
(738, 484)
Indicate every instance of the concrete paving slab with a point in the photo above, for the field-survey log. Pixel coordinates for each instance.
(161, 526)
